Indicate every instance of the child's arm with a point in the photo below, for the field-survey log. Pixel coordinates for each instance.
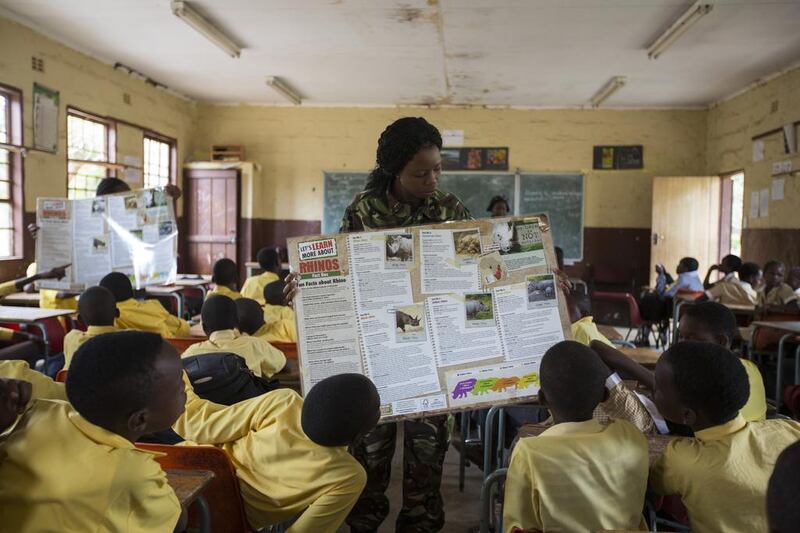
(620, 362)
(328, 511)
(272, 359)
(707, 284)
(10, 287)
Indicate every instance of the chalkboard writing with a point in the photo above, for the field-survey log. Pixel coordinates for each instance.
(560, 196)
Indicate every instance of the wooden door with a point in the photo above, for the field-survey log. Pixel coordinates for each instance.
(686, 214)
(212, 217)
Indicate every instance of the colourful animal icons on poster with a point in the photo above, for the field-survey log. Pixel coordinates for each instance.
(478, 387)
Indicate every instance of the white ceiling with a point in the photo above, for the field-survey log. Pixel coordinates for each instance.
(381, 52)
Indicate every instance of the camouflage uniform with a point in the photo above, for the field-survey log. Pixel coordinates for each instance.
(426, 440)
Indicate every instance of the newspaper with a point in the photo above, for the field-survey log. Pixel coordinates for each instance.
(440, 317)
(133, 232)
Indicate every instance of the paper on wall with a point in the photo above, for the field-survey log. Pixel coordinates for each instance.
(778, 188)
(758, 151)
(755, 201)
(763, 207)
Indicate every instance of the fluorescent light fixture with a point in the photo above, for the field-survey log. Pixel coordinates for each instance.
(698, 10)
(614, 84)
(284, 89)
(186, 13)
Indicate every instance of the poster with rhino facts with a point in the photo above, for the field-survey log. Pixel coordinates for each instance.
(520, 244)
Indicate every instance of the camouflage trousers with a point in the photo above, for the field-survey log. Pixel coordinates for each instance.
(424, 447)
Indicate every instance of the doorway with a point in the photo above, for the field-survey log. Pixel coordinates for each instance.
(212, 217)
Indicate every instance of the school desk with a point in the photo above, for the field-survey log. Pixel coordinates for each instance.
(21, 299)
(33, 316)
(252, 268)
(643, 356)
(167, 291)
(187, 281)
(790, 333)
(610, 332)
(188, 486)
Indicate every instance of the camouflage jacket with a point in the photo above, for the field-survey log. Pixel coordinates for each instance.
(368, 211)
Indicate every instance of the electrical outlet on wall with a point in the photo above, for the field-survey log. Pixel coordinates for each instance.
(37, 64)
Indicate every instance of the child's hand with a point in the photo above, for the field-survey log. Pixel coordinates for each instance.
(14, 396)
(290, 289)
(55, 273)
(33, 229)
(563, 281)
(173, 191)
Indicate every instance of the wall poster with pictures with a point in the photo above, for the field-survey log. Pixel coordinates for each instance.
(440, 317)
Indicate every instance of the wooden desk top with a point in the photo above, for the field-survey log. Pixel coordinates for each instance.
(643, 356)
(188, 484)
(26, 315)
(190, 282)
(160, 290)
(609, 332)
(28, 299)
(788, 327)
(656, 444)
(741, 309)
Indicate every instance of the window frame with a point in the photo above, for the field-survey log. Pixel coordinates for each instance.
(110, 140)
(16, 169)
(173, 154)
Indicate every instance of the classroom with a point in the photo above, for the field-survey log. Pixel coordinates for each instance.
(413, 266)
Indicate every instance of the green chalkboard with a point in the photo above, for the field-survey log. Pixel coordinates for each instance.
(475, 189)
(560, 196)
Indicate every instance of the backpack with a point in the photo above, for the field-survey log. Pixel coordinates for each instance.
(224, 378)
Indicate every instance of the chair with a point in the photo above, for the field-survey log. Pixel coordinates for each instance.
(289, 349)
(619, 309)
(222, 494)
(491, 494)
(611, 277)
(61, 377)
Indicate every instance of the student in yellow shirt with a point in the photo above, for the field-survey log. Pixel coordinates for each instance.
(291, 454)
(43, 386)
(722, 473)
(74, 467)
(728, 267)
(226, 277)
(278, 317)
(736, 291)
(51, 298)
(579, 475)
(97, 309)
(270, 262)
(145, 315)
(220, 322)
(583, 328)
(776, 295)
(783, 492)
(16, 285)
(704, 322)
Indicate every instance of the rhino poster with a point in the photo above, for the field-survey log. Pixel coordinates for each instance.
(440, 317)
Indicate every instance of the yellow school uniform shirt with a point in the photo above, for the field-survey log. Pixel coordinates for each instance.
(721, 475)
(731, 291)
(48, 298)
(261, 357)
(578, 476)
(150, 315)
(780, 295)
(10, 287)
(756, 406)
(62, 473)
(76, 337)
(279, 324)
(585, 331)
(254, 286)
(281, 472)
(223, 291)
(43, 386)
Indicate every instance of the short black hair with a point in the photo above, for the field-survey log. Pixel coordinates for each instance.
(573, 378)
(783, 492)
(218, 313)
(250, 314)
(733, 261)
(717, 318)
(340, 408)
(112, 375)
(111, 186)
(708, 378)
(225, 272)
(772, 264)
(97, 307)
(748, 270)
(268, 258)
(273, 292)
(498, 199)
(690, 263)
(119, 284)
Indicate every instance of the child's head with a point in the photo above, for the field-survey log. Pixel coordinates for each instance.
(730, 263)
(97, 307)
(750, 273)
(708, 322)
(700, 384)
(226, 273)
(783, 489)
(794, 277)
(129, 382)
(687, 264)
(340, 409)
(219, 313)
(774, 273)
(269, 260)
(119, 284)
(273, 292)
(573, 381)
(250, 314)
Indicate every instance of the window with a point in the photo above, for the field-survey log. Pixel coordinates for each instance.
(737, 210)
(158, 160)
(88, 139)
(10, 173)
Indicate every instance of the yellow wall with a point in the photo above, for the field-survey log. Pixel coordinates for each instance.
(731, 127)
(92, 86)
(293, 146)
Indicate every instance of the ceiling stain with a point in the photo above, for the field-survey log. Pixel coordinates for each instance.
(407, 14)
(466, 55)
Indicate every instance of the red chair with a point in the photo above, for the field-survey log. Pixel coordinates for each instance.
(617, 309)
(222, 494)
(61, 377)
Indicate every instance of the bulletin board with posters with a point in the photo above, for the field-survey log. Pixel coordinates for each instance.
(441, 317)
(134, 232)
